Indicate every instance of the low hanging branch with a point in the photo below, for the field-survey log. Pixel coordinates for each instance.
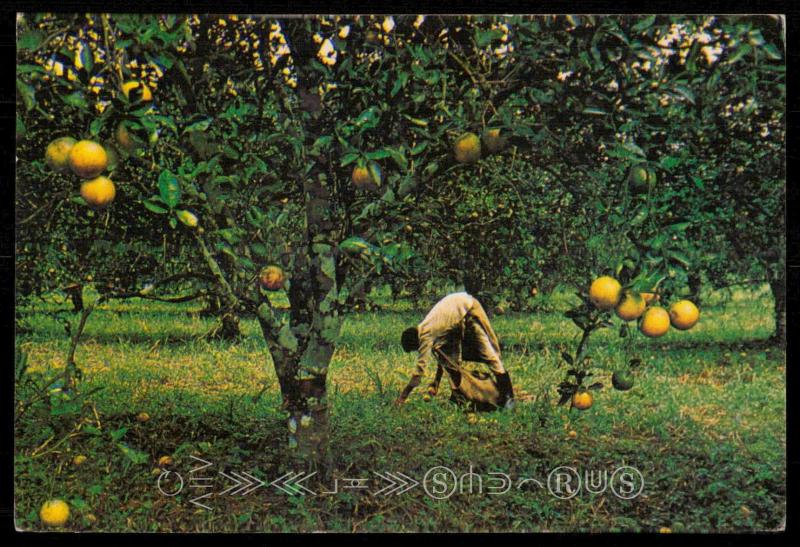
(71, 369)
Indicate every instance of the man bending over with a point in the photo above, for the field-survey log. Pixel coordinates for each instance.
(456, 328)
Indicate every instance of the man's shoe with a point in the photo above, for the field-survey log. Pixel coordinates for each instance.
(505, 389)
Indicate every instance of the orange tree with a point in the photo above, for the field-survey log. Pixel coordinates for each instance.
(311, 143)
(61, 243)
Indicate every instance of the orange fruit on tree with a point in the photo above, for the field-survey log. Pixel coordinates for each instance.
(87, 159)
(57, 153)
(631, 306)
(467, 148)
(272, 277)
(367, 175)
(655, 322)
(683, 315)
(140, 91)
(605, 292)
(582, 400)
(98, 192)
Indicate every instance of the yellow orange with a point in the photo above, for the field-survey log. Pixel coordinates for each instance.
(683, 315)
(605, 292)
(54, 512)
(272, 278)
(87, 159)
(98, 192)
(582, 400)
(467, 148)
(655, 322)
(57, 153)
(631, 306)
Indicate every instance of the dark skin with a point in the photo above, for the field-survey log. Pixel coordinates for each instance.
(433, 388)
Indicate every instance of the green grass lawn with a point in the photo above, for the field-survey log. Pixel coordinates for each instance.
(705, 425)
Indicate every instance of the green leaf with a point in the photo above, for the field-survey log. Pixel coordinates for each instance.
(85, 58)
(287, 339)
(594, 111)
(378, 154)
(20, 126)
(669, 162)
(169, 188)
(644, 24)
(75, 99)
(772, 52)
(399, 83)
(30, 39)
(349, 158)
(136, 457)
(680, 258)
(354, 245)
(201, 125)
(96, 126)
(684, 92)
(743, 50)
(27, 93)
(149, 205)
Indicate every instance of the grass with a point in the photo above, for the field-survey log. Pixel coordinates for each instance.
(704, 424)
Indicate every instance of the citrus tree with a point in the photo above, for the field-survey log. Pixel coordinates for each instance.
(293, 154)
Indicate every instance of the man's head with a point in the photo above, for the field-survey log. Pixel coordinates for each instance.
(410, 339)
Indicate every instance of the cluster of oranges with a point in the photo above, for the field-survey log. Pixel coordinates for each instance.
(606, 293)
(87, 159)
(468, 148)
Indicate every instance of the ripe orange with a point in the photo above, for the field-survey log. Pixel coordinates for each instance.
(605, 292)
(165, 461)
(54, 512)
(142, 417)
(272, 278)
(655, 322)
(493, 141)
(140, 91)
(98, 192)
(366, 175)
(582, 400)
(631, 306)
(57, 153)
(80, 459)
(467, 148)
(87, 159)
(683, 315)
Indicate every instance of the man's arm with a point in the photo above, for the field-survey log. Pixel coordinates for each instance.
(424, 356)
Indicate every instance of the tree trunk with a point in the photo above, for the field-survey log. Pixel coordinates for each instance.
(75, 293)
(229, 327)
(777, 284)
